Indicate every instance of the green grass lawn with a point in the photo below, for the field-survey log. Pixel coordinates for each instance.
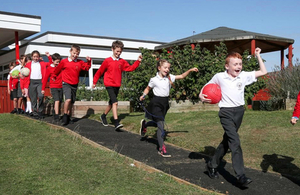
(36, 158)
(269, 142)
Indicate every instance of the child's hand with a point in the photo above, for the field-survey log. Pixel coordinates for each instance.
(43, 92)
(88, 58)
(203, 98)
(257, 51)
(140, 58)
(93, 86)
(47, 53)
(194, 69)
(142, 98)
(293, 121)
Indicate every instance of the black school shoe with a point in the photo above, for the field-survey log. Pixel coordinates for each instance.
(65, 120)
(118, 126)
(212, 173)
(103, 120)
(14, 111)
(244, 181)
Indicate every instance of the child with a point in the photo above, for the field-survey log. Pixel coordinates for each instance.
(232, 83)
(12, 85)
(70, 69)
(37, 73)
(55, 86)
(24, 85)
(112, 69)
(159, 105)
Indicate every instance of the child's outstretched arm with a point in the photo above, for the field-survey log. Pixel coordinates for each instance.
(296, 112)
(183, 75)
(146, 91)
(262, 66)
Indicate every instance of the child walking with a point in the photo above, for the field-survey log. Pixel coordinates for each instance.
(112, 69)
(70, 69)
(159, 104)
(232, 83)
(37, 72)
(12, 87)
(24, 85)
(55, 85)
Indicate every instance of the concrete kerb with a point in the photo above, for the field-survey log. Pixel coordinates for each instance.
(136, 163)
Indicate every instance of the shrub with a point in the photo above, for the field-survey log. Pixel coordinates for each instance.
(285, 83)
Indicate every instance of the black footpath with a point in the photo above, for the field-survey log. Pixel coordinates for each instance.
(184, 164)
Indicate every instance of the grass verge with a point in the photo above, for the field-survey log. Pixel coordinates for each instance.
(39, 159)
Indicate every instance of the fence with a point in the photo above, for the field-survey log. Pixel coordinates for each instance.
(6, 105)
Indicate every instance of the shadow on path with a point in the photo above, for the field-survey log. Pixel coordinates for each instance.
(283, 165)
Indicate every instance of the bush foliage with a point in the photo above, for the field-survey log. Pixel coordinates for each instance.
(181, 59)
(284, 83)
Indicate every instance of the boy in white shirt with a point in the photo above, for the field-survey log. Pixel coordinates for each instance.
(232, 83)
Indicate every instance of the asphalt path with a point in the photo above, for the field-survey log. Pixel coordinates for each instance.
(184, 164)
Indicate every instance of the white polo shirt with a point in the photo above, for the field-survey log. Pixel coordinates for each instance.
(161, 86)
(233, 88)
(36, 72)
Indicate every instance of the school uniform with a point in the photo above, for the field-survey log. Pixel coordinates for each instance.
(231, 115)
(159, 104)
(70, 71)
(55, 85)
(37, 72)
(112, 69)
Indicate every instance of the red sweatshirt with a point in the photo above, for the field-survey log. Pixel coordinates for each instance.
(296, 112)
(13, 83)
(53, 84)
(24, 83)
(113, 71)
(71, 70)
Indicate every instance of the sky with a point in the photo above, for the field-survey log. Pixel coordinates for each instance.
(165, 21)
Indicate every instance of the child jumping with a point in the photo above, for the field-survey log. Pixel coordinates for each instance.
(55, 85)
(159, 104)
(70, 69)
(232, 83)
(112, 69)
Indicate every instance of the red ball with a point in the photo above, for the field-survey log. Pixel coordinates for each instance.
(213, 92)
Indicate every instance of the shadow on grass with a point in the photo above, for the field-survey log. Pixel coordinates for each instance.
(283, 165)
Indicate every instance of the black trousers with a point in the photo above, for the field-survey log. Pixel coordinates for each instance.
(36, 96)
(231, 120)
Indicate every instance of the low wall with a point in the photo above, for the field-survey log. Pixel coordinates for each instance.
(83, 108)
(187, 106)
(290, 104)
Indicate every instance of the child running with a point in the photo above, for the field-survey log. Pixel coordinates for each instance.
(55, 85)
(232, 83)
(70, 69)
(112, 69)
(159, 104)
